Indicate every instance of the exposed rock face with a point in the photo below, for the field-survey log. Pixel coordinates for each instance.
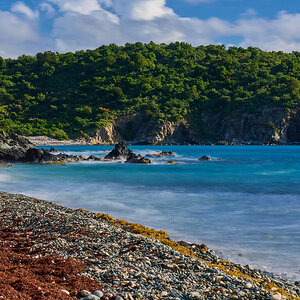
(14, 147)
(266, 126)
(121, 152)
(108, 135)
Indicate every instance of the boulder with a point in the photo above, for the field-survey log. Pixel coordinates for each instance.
(138, 159)
(120, 151)
(4, 164)
(204, 157)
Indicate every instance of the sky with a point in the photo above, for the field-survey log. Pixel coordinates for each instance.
(32, 26)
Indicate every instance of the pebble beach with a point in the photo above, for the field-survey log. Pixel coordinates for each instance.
(53, 252)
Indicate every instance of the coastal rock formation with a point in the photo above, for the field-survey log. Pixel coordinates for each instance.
(161, 154)
(122, 152)
(268, 125)
(16, 148)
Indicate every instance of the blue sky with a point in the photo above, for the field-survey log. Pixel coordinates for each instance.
(31, 26)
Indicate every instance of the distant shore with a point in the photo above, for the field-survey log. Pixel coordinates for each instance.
(48, 141)
(124, 260)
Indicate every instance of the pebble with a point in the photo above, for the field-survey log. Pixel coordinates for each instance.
(91, 297)
(276, 296)
(249, 285)
(128, 264)
(98, 293)
(66, 292)
(84, 293)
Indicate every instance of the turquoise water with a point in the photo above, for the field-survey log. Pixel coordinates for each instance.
(246, 206)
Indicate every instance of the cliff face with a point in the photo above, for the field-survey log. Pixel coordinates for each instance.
(267, 126)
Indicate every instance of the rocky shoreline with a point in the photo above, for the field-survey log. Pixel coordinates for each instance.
(91, 256)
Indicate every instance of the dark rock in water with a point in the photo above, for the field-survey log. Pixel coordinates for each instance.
(93, 158)
(204, 157)
(161, 154)
(120, 151)
(5, 164)
(15, 148)
(138, 159)
(52, 149)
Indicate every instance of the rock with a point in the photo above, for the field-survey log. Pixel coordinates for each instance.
(91, 297)
(118, 298)
(276, 296)
(84, 293)
(66, 292)
(204, 157)
(161, 154)
(138, 159)
(98, 293)
(173, 162)
(120, 151)
(52, 149)
(15, 148)
(93, 158)
(5, 164)
(249, 285)
(164, 294)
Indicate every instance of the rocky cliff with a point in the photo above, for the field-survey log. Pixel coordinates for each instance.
(266, 126)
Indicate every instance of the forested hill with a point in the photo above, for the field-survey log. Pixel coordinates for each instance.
(71, 94)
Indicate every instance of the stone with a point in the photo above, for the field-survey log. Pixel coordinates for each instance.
(84, 293)
(276, 296)
(204, 157)
(120, 151)
(91, 297)
(66, 292)
(118, 298)
(164, 294)
(98, 293)
(249, 285)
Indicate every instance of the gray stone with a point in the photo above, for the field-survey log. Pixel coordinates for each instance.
(84, 293)
(98, 293)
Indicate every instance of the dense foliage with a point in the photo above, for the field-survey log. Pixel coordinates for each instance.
(66, 95)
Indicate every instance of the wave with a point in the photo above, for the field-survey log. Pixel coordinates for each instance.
(5, 178)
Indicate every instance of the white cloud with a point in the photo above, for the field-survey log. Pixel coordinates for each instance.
(278, 34)
(83, 24)
(17, 36)
(20, 7)
(84, 7)
(145, 10)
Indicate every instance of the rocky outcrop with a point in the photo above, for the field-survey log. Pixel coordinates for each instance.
(161, 154)
(16, 148)
(264, 126)
(105, 136)
(122, 152)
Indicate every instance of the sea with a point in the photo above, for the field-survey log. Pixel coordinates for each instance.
(244, 203)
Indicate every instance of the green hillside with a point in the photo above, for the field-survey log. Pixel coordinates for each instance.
(66, 95)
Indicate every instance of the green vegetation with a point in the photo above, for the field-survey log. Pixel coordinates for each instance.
(67, 95)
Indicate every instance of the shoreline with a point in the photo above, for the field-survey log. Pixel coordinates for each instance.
(111, 248)
(47, 141)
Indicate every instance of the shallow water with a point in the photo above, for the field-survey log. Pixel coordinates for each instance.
(247, 205)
